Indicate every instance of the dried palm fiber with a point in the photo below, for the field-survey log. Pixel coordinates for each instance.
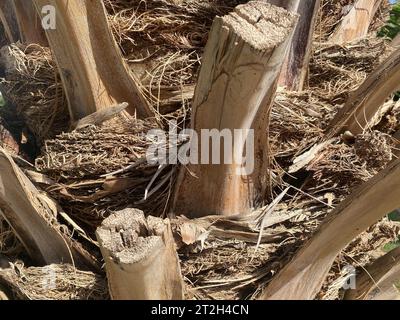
(99, 169)
(34, 88)
(337, 70)
(225, 269)
(329, 17)
(10, 246)
(227, 266)
(218, 255)
(297, 122)
(339, 167)
(381, 17)
(390, 122)
(53, 282)
(163, 41)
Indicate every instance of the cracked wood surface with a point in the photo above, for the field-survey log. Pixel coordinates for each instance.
(140, 257)
(236, 87)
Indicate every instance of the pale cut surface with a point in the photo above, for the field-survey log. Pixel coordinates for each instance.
(140, 256)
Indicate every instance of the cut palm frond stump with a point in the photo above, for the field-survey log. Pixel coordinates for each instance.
(365, 103)
(93, 72)
(356, 23)
(235, 91)
(140, 256)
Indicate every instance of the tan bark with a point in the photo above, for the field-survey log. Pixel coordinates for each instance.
(365, 103)
(236, 87)
(303, 277)
(356, 23)
(379, 280)
(29, 23)
(9, 21)
(92, 69)
(295, 69)
(32, 216)
(140, 257)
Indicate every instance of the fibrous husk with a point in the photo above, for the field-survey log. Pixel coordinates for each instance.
(53, 282)
(33, 86)
(99, 169)
(163, 41)
(10, 246)
(337, 70)
(297, 122)
(339, 167)
(95, 150)
(390, 122)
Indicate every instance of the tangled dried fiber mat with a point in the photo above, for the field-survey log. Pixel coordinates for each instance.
(390, 121)
(227, 263)
(33, 86)
(231, 258)
(297, 122)
(339, 166)
(163, 41)
(336, 70)
(10, 246)
(53, 282)
(99, 169)
(227, 257)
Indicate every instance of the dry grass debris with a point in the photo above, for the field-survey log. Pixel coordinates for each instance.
(33, 86)
(337, 70)
(163, 41)
(53, 282)
(100, 169)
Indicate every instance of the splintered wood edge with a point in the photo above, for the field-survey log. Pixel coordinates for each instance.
(261, 25)
(129, 237)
